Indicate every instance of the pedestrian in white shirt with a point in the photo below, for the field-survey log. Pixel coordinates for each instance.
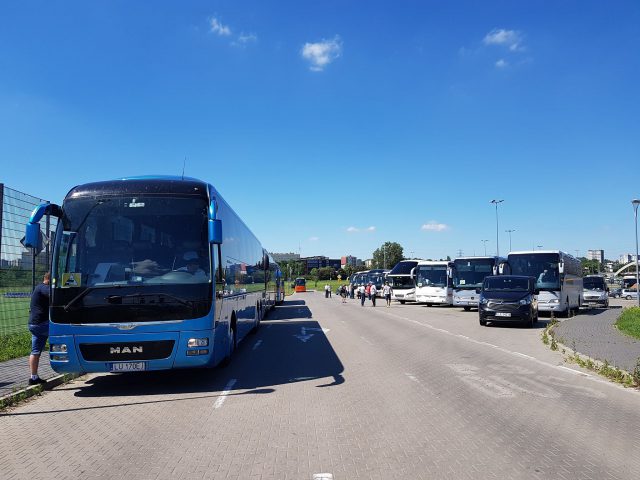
(386, 291)
(373, 292)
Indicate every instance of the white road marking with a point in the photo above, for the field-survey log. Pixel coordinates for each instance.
(258, 343)
(322, 476)
(366, 341)
(223, 395)
(413, 378)
(510, 352)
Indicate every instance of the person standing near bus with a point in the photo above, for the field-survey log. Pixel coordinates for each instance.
(38, 326)
(386, 291)
(327, 290)
(362, 294)
(372, 292)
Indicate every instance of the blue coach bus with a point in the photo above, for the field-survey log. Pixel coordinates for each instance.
(152, 273)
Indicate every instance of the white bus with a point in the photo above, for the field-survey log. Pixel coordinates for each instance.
(401, 281)
(434, 285)
(558, 277)
(468, 275)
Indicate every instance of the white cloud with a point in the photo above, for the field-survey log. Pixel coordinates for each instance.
(434, 226)
(218, 28)
(512, 39)
(356, 229)
(322, 53)
(244, 39)
(314, 239)
(502, 63)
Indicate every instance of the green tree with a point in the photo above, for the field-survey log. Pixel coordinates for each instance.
(388, 255)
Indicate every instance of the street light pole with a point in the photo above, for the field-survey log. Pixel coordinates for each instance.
(509, 232)
(485, 246)
(635, 204)
(496, 202)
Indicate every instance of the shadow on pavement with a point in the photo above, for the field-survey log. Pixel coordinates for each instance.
(289, 347)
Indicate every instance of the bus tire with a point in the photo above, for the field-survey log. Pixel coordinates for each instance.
(466, 309)
(231, 343)
(402, 302)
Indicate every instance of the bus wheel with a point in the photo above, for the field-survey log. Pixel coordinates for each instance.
(402, 302)
(429, 304)
(257, 319)
(231, 344)
(466, 309)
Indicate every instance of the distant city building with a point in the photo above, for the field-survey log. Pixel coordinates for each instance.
(626, 258)
(320, 262)
(609, 267)
(595, 255)
(285, 257)
(348, 260)
(368, 263)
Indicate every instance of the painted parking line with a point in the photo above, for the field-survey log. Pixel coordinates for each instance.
(223, 395)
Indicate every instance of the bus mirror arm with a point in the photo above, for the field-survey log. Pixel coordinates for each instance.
(413, 273)
(561, 267)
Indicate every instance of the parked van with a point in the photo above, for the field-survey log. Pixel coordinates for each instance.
(595, 293)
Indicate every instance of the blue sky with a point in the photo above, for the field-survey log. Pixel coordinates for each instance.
(334, 126)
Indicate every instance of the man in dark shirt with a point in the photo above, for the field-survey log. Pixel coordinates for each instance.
(38, 326)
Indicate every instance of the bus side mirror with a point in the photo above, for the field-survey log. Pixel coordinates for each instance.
(32, 238)
(413, 273)
(215, 231)
(501, 268)
(536, 291)
(561, 267)
(478, 291)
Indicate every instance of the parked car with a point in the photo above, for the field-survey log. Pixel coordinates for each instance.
(595, 291)
(629, 293)
(508, 298)
(615, 293)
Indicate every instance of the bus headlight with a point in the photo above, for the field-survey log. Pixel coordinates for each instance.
(58, 348)
(554, 300)
(198, 342)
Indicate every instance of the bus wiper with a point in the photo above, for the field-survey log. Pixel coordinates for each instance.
(182, 301)
(86, 292)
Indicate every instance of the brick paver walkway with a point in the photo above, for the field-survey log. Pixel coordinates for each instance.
(14, 374)
(593, 333)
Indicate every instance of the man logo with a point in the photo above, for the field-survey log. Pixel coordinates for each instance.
(123, 350)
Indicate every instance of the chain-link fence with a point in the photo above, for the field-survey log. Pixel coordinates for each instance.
(17, 262)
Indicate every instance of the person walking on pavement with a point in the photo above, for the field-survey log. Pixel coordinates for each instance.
(351, 291)
(362, 295)
(373, 290)
(386, 291)
(38, 326)
(343, 293)
(367, 290)
(327, 290)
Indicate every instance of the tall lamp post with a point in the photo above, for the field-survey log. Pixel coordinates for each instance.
(509, 232)
(496, 202)
(485, 246)
(635, 204)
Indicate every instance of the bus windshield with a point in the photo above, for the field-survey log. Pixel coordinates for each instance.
(594, 283)
(431, 276)
(542, 266)
(400, 282)
(301, 282)
(471, 273)
(123, 240)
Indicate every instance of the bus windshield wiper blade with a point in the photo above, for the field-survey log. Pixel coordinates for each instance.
(86, 292)
(182, 301)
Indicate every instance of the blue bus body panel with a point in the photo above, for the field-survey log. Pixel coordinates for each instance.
(179, 332)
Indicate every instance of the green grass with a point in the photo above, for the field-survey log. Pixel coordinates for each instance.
(14, 312)
(15, 345)
(629, 321)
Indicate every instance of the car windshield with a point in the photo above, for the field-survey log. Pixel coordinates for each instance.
(506, 284)
(593, 284)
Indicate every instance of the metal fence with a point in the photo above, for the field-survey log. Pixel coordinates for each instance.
(17, 262)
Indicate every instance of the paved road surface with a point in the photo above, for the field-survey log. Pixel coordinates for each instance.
(406, 392)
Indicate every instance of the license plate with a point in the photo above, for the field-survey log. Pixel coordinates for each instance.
(128, 367)
(502, 314)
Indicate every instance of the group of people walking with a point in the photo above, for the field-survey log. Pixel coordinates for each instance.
(363, 292)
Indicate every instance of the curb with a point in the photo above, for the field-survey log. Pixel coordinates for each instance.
(569, 352)
(13, 398)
